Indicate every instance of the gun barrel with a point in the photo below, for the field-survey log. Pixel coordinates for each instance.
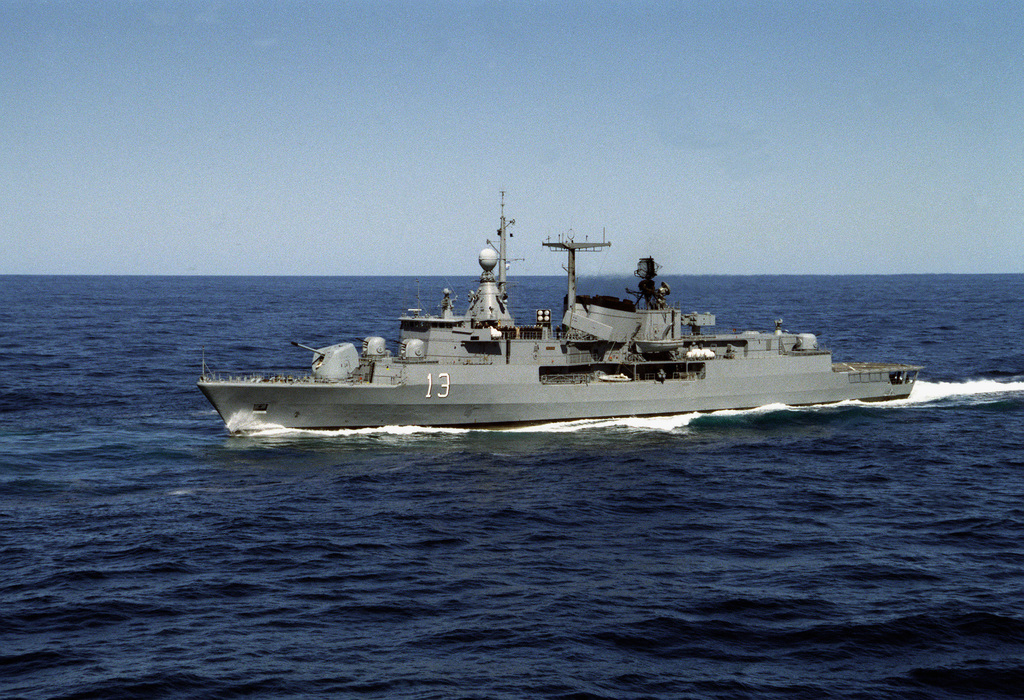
(306, 347)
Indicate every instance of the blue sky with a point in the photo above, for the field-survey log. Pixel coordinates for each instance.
(374, 137)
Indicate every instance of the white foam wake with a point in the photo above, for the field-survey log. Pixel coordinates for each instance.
(272, 431)
(927, 392)
(659, 423)
(653, 423)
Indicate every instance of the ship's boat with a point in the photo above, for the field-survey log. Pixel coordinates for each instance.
(602, 357)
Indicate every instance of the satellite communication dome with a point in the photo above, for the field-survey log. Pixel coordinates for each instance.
(488, 259)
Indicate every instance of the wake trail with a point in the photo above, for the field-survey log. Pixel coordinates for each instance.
(928, 392)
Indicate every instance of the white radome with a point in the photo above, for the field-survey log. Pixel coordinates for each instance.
(488, 259)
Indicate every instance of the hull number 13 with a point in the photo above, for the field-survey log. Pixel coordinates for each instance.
(444, 384)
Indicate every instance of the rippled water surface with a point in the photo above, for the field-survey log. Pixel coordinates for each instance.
(864, 551)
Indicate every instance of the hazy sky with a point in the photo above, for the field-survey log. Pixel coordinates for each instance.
(374, 137)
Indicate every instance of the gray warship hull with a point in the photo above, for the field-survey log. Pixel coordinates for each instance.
(602, 358)
(478, 396)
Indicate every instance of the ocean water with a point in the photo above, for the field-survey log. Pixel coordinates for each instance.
(847, 551)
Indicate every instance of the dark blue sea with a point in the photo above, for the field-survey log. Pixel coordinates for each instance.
(846, 551)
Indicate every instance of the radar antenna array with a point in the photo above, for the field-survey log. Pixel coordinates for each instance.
(653, 297)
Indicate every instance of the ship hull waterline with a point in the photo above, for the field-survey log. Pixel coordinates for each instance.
(249, 406)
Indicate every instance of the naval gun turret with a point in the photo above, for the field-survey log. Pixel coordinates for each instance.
(333, 363)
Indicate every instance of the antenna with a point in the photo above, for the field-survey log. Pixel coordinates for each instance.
(502, 251)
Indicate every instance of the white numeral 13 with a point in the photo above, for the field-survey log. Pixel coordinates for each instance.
(444, 384)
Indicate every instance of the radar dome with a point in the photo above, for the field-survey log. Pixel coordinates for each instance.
(488, 259)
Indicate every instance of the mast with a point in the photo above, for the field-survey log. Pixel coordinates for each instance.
(489, 304)
(571, 246)
(502, 251)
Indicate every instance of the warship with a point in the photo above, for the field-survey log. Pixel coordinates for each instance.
(602, 357)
